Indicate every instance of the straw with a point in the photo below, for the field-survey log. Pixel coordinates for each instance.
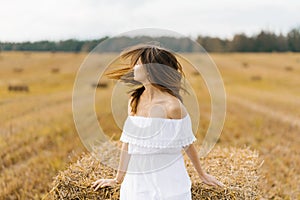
(237, 168)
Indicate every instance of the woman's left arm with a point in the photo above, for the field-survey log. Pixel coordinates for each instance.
(206, 178)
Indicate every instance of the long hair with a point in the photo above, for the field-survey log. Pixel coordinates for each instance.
(164, 71)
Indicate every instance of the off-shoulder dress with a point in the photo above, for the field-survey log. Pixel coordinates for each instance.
(156, 169)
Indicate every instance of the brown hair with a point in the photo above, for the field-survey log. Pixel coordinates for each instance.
(165, 76)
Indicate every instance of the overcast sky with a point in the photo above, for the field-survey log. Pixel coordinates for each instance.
(33, 20)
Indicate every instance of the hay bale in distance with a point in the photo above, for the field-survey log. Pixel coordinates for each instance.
(18, 87)
(288, 68)
(18, 69)
(100, 85)
(245, 64)
(55, 70)
(256, 78)
(237, 168)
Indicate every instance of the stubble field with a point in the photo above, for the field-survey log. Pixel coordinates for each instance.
(38, 136)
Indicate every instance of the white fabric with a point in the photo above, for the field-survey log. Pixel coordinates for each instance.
(156, 169)
(157, 133)
(169, 183)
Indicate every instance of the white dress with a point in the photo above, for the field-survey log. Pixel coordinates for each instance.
(156, 169)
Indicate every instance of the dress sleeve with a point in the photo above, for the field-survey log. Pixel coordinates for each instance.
(187, 136)
(124, 138)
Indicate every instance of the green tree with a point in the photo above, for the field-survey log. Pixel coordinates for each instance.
(293, 38)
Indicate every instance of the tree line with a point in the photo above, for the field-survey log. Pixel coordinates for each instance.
(264, 41)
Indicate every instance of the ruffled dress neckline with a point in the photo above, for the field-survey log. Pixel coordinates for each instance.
(158, 118)
(156, 132)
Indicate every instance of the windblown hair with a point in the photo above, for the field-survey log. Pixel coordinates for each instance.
(164, 71)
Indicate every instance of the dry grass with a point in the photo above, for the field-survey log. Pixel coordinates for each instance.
(238, 169)
(260, 114)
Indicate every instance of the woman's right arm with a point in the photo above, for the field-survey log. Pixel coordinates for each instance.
(123, 163)
(124, 157)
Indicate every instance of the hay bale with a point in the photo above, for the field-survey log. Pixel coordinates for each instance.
(18, 87)
(237, 168)
(55, 70)
(18, 69)
(256, 78)
(75, 182)
(245, 64)
(100, 85)
(288, 68)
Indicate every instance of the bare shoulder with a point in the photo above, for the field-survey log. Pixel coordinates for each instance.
(175, 109)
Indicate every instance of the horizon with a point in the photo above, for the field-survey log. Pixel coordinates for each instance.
(107, 36)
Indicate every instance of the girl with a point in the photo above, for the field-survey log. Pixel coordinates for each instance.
(155, 107)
